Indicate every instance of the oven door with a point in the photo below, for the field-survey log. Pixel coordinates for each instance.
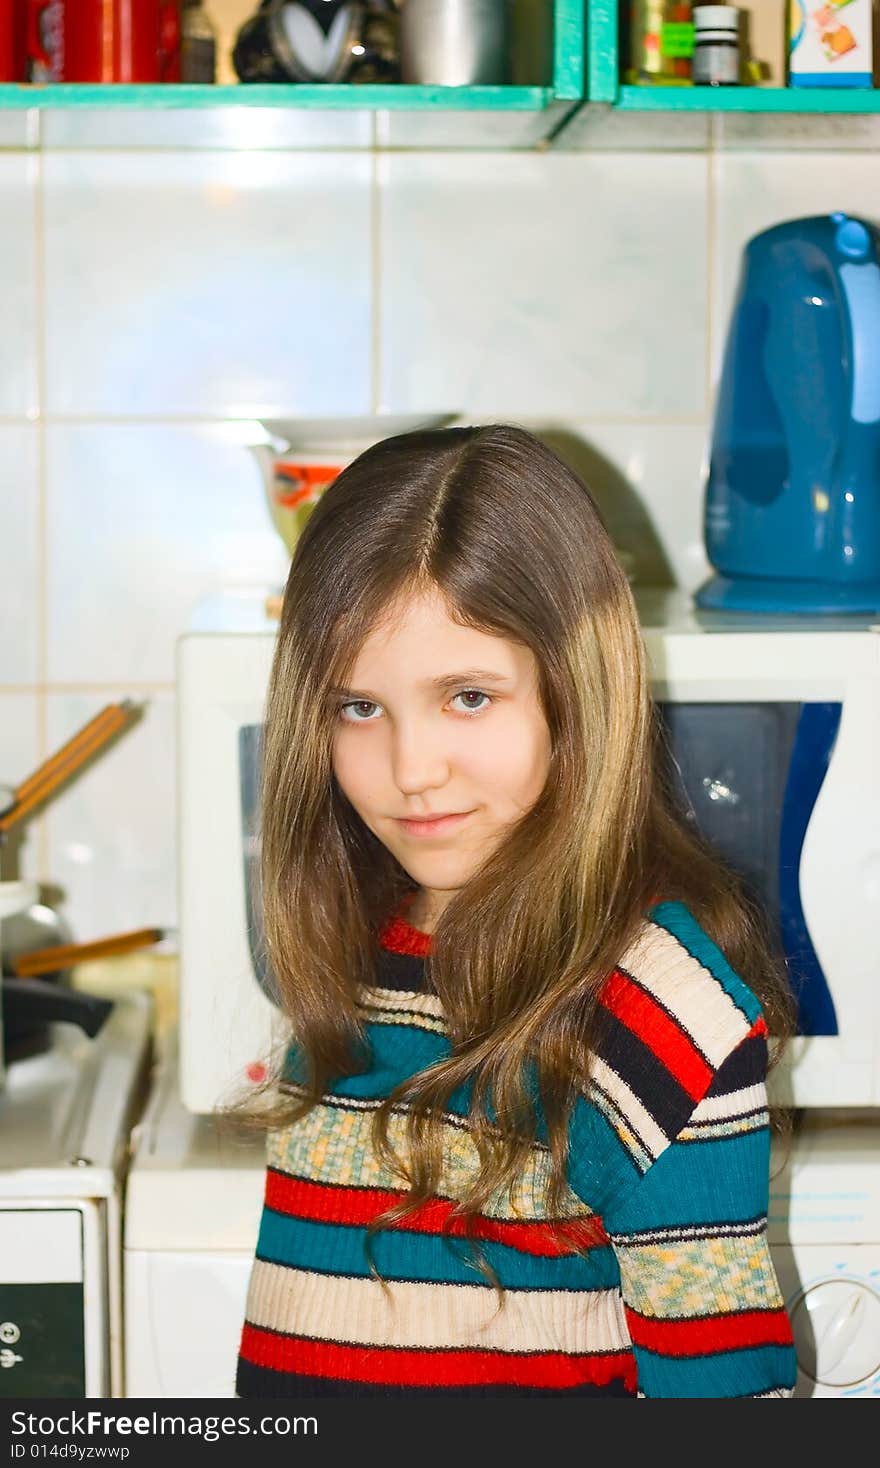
(54, 1304)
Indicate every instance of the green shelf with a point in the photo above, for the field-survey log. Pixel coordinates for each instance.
(334, 98)
(567, 85)
(748, 99)
(604, 84)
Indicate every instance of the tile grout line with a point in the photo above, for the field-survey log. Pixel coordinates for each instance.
(125, 686)
(375, 277)
(42, 831)
(162, 420)
(711, 261)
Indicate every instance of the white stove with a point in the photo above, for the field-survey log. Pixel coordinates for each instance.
(191, 1222)
(65, 1125)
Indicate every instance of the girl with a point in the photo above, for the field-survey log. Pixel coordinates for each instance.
(519, 1143)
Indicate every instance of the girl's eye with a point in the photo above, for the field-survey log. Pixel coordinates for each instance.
(358, 703)
(364, 703)
(467, 692)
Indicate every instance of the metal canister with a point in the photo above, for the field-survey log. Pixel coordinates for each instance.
(455, 43)
(716, 45)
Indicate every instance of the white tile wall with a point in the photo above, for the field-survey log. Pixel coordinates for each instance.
(143, 520)
(20, 128)
(571, 284)
(111, 847)
(634, 132)
(20, 855)
(789, 132)
(227, 284)
(647, 480)
(209, 127)
(21, 587)
(153, 300)
(19, 174)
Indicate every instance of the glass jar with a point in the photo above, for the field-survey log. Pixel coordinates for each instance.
(661, 42)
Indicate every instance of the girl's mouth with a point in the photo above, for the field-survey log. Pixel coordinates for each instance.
(437, 827)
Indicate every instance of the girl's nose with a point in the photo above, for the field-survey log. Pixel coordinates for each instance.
(418, 759)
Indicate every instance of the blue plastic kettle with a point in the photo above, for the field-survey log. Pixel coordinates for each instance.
(792, 499)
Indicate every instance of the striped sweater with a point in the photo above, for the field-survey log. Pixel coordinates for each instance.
(668, 1159)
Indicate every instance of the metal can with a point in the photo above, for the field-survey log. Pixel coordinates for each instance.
(716, 46)
(661, 42)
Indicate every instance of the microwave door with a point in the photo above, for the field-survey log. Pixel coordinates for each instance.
(250, 750)
(747, 776)
(809, 758)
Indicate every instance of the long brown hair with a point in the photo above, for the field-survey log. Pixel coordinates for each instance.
(510, 536)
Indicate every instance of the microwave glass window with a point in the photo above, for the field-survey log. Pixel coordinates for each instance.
(747, 776)
(250, 755)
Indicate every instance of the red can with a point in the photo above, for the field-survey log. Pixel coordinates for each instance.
(103, 40)
(13, 48)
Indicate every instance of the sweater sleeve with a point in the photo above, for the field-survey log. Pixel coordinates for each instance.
(700, 1292)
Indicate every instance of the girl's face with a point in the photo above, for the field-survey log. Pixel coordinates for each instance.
(424, 730)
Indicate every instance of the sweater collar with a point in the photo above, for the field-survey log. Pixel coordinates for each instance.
(399, 936)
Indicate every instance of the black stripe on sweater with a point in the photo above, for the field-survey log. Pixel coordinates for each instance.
(401, 971)
(745, 1066)
(263, 1381)
(645, 1075)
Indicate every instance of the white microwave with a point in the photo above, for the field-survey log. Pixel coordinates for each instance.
(774, 728)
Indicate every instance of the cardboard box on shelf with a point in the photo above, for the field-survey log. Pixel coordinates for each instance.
(228, 16)
(831, 43)
(763, 42)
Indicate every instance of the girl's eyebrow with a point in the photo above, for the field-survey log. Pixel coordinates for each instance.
(472, 675)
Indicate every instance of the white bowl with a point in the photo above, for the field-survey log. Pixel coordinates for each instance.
(333, 435)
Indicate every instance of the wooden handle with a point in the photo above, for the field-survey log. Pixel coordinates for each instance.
(64, 955)
(66, 760)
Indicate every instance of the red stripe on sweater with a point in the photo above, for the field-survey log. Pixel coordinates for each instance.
(433, 1367)
(327, 1203)
(713, 1333)
(645, 1018)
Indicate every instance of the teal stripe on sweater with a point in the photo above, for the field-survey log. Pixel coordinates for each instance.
(724, 1179)
(400, 1051)
(397, 1051)
(338, 1249)
(680, 922)
(741, 1373)
(599, 1165)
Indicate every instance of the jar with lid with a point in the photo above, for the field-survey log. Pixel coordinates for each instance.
(716, 46)
(198, 43)
(661, 42)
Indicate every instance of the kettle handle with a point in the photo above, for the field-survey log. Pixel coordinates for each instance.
(861, 287)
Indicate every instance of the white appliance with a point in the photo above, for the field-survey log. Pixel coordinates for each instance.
(773, 725)
(191, 1221)
(65, 1122)
(193, 1211)
(14, 897)
(824, 1231)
